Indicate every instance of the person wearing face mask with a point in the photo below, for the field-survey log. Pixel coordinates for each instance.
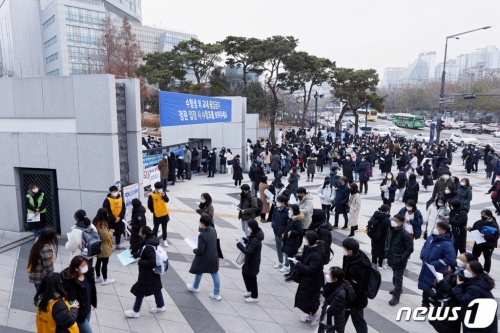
(458, 221)
(252, 248)
(494, 192)
(437, 212)
(74, 243)
(377, 229)
(336, 293)
(292, 236)
(348, 168)
(310, 268)
(311, 163)
(490, 236)
(279, 224)
(464, 193)
(354, 208)
(479, 285)
(363, 174)
(247, 207)
(78, 282)
(398, 248)
(427, 179)
(355, 265)
(476, 156)
(115, 205)
(439, 252)
(238, 171)
(325, 193)
(341, 201)
(450, 194)
(388, 189)
(441, 184)
(135, 225)
(387, 158)
(413, 219)
(206, 207)
(157, 204)
(36, 203)
(163, 167)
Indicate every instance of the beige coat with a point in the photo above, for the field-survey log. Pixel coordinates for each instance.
(355, 208)
(163, 167)
(265, 205)
(106, 236)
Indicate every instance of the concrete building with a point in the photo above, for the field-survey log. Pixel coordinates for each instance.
(430, 59)
(416, 73)
(49, 136)
(235, 76)
(392, 76)
(452, 70)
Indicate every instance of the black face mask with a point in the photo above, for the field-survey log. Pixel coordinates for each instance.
(484, 218)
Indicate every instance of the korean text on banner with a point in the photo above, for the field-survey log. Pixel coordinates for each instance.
(183, 109)
(129, 193)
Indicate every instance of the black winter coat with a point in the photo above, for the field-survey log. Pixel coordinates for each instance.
(292, 243)
(445, 297)
(76, 292)
(280, 220)
(206, 258)
(252, 250)
(64, 317)
(392, 186)
(342, 198)
(491, 240)
(172, 165)
(357, 269)
(378, 245)
(310, 268)
(324, 230)
(138, 221)
(415, 188)
(458, 222)
(427, 178)
(398, 247)
(336, 298)
(148, 282)
(348, 169)
(361, 169)
(258, 172)
(237, 170)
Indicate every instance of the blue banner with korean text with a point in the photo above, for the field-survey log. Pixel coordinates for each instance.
(183, 109)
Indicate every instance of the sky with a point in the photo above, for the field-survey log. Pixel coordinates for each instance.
(359, 34)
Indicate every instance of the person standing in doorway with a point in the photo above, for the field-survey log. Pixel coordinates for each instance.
(36, 204)
(115, 206)
(163, 167)
(187, 162)
(157, 204)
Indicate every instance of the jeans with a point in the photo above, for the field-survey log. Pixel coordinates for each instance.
(356, 176)
(37, 286)
(326, 209)
(267, 168)
(36, 232)
(252, 188)
(157, 221)
(346, 219)
(164, 182)
(158, 299)
(244, 227)
(104, 262)
(251, 285)
(279, 244)
(397, 281)
(85, 326)
(486, 251)
(223, 168)
(358, 320)
(215, 278)
(296, 197)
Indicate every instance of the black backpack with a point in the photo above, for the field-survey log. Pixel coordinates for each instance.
(373, 284)
(374, 229)
(328, 253)
(410, 191)
(350, 294)
(420, 170)
(260, 205)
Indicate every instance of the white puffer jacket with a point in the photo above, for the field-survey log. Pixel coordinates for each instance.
(325, 195)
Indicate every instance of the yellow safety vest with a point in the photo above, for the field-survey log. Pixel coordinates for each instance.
(39, 201)
(46, 324)
(159, 205)
(116, 206)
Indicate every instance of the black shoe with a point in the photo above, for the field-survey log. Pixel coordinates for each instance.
(393, 301)
(287, 274)
(344, 228)
(288, 279)
(393, 292)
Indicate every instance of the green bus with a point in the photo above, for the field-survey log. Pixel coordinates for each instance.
(408, 120)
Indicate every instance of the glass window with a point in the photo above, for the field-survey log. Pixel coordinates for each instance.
(51, 58)
(49, 22)
(50, 42)
(53, 73)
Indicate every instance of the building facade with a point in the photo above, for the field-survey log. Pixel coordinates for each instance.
(392, 76)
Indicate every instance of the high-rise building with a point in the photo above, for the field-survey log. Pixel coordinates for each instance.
(392, 76)
(416, 73)
(462, 62)
(430, 59)
(62, 37)
(452, 70)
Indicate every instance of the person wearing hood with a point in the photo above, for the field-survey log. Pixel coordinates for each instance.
(458, 223)
(292, 237)
(464, 193)
(135, 225)
(381, 222)
(206, 258)
(398, 248)
(251, 247)
(491, 238)
(439, 252)
(100, 222)
(355, 264)
(341, 201)
(157, 204)
(74, 243)
(310, 267)
(36, 205)
(324, 229)
(479, 286)
(115, 205)
(279, 224)
(78, 282)
(306, 206)
(148, 282)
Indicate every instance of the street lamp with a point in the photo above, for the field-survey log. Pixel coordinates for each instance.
(316, 96)
(443, 76)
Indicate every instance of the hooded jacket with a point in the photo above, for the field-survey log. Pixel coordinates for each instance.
(76, 292)
(342, 198)
(306, 208)
(458, 222)
(439, 252)
(138, 221)
(356, 270)
(294, 241)
(252, 250)
(398, 247)
(324, 231)
(464, 195)
(74, 243)
(378, 245)
(148, 282)
(310, 267)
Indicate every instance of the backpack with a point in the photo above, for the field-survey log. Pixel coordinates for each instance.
(410, 191)
(161, 259)
(369, 171)
(350, 294)
(420, 170)
(260, 205)
(373, 284)
(91, 242)
(328, 253)
(374, 229)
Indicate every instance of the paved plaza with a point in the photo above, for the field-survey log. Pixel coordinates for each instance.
(188, 312)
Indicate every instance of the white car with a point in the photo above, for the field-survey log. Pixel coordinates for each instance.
(382, 132)
(460, 139)
(420, 137)
(496, 134)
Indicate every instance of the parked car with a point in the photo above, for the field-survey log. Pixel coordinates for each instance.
(487, 129)
(381, 132)
(472, 128)
(390, 118)
(398, 132)
(462, 140)
(383, 115)
(452, 126)
(428, 122)
(420, 137)
(460, 123)
(496, 134)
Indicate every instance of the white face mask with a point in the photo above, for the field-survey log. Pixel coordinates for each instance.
(35, 190)
(447, 191)
(440, 204)
(435, 231)
(460, 263)
(463, 184)
(327, 278)
(409, 208)
(290, 214)
(306, 242)
(468, 274)
(446, 177)
(394, 224)
(389, 177)
(84, 269)
(114, 194)
(202, 200)
(344, 252)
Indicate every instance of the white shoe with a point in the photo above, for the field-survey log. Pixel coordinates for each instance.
(247, 294)
(216, 297)
(380, 268)
(251, 300)
(315, 318)
(306, 319)
(285, 269)
(108, 281)
(165, 243)
(190, 287)
(132, 314)
(278, 265)
(156, 310)
(98, 280)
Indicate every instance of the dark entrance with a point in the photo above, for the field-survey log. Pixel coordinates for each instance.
(47, 180)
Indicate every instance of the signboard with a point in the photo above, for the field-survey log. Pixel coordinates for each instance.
(151, 160)
(129, 193)
(183, 109)
(151, 176)
(431, 135)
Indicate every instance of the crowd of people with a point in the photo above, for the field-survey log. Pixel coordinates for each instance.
(449, 276)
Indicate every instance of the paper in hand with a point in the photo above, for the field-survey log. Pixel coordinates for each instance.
(192, 241)
(477, 237)
(125, 257)
(433, 270)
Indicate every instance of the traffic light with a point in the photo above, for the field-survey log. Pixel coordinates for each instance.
(471, 96)
(439, 125)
